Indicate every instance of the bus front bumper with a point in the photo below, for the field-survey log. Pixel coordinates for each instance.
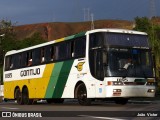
(130, 91)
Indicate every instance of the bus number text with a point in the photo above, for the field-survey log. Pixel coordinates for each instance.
(9, 75)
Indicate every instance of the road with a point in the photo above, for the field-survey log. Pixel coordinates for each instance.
(99, 110)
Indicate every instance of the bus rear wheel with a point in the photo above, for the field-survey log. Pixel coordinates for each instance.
(18, 96)
(81, 93)
(25, 97)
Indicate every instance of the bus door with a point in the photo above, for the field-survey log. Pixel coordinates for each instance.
(97, 71)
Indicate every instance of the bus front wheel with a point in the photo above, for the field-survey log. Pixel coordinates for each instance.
(81, 93)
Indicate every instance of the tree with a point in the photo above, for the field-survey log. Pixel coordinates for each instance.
(35, 39)
(142, 24)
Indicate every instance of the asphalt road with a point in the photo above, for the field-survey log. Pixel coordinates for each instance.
(70, 109)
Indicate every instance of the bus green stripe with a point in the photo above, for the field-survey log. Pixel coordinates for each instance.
(69, 37)
(53, 79)
(62, 79)
(58, 79)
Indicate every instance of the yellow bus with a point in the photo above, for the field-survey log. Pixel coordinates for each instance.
(96, 64)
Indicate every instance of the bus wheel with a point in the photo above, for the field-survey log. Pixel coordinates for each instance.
(18, 96)
(25, 97)
(121, 101)
(81, 93)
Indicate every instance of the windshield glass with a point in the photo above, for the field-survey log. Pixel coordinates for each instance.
(129, 63)
(128, 40)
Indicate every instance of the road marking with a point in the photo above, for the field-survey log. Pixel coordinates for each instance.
(106, 118)
(9, 108)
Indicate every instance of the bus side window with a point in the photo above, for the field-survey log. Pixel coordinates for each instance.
(80, 47)
(19, 60)
(47, 54)
(72, 46)
(24, 59)
(36, 56)
(15, 59)
(11, 62)
(52, 53)
(56, 53)
(29, 58)
(42, 55)
(7, 62)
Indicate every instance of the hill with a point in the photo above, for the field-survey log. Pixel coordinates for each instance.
(55, 30)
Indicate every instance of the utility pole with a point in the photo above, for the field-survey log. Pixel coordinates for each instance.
(92, 22)
(84, 9)
(88, 14)
(152, 9)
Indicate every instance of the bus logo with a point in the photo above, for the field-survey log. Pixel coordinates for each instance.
(79, 66)
(122, 80)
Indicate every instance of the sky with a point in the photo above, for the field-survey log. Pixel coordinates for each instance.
(23, 12)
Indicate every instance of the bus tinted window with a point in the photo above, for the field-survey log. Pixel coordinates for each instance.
(96, 40)
(29, 58)
(36, 56)
(7, 62)
(80, 47)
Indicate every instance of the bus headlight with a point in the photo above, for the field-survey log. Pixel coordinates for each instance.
(151, 90)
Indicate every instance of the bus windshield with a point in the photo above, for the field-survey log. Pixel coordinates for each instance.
(129, 63)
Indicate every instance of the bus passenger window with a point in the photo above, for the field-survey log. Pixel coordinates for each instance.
(19, 60)
(42, 55)
(7, 63)
(52, 53)
(56, 53)
(72, 49)
(80, 47)
(11, 62)
(29, 57)
(29, 62)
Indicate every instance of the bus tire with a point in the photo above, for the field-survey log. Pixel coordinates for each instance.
(18, 96)
(121, 101)
(81, 94)
(25, 97)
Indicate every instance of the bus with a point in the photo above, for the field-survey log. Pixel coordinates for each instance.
(97, 64)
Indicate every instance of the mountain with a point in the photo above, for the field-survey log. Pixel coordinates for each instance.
(55, 30)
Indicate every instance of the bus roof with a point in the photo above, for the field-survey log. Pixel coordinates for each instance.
(114, 30)
(78, 35)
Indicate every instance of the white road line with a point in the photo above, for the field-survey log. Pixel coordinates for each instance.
(9, 108)
(106, 118)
